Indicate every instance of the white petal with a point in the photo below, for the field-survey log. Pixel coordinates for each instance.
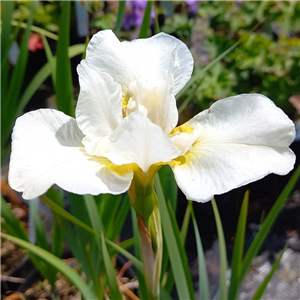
(47, 150)
(138, 140)
(104, 53)
(158, 104)
(241, 139)
(148, 59)
(99, 107)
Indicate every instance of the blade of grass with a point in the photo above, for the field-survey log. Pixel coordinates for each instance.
(11, 220)
(203, 277)
(63, 268)
(40, 233)
(41, 240)
(110, 273)
(64, 86)
(120, 17)
(138, 254)
(43, 74)
(175, 247)
(36, 29)
(267, 224)
(197, 76)
(6, 41)
(116, 227)
(15, 84)
(183, 233)
(259, 292)
(50, 59)
(67, 216)
(238, 249)
(96, 224)
(169, 185)
(223, 253)
(146, 21)
(57, 235)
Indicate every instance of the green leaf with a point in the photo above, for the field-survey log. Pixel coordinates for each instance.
(6, 42)
(36, 29)
(146, 21)
(43, 74)
(50, 59)
(183, 234)
(203, 277)
(64, 86)
(10, 101)
(57, 235)
(259, 292)
(40, 233)
(120, 17)
(13, 223)
(267, 224)
(41, 240)
(223, 253)
(238, 249)
(110, 273)
(169, 185)
(116, 226)
(197, 76)
(67, 216)
(63, 268)
(175, 247)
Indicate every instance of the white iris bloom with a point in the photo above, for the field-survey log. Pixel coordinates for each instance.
(125, 126)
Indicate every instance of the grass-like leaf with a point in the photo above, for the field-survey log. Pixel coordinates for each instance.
(50, 59)
(64, 86)
(10, 99)
(175, 247)
(267, 224)
(259, 292)
(110, 273)
(43, 74)
(40, 233)
(238, 250)
(169, 185)
(203, 277)
(60, 266)
(197, 76)
(14, 224)
(67, 216)
(223, 252)
(120, 17)
(144, 30)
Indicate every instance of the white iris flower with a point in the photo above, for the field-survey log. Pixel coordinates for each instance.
(125, 127)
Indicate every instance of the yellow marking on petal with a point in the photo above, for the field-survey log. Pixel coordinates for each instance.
(182, 128)
(124, 104)
(120, 170)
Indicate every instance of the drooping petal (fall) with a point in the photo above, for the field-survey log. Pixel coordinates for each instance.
(138, 140)
(145, 59)
(241, 139)
(47, 150)
(99, 106)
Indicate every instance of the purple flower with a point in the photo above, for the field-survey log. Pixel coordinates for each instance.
(193, 6)
(135, 13)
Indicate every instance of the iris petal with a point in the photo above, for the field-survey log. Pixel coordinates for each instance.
(241, 139)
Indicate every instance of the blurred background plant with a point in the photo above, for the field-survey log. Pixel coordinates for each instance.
(238, 47)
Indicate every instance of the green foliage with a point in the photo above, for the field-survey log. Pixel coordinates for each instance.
(179, 25)
(266, 61)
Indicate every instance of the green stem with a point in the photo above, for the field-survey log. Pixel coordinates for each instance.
(151, 248)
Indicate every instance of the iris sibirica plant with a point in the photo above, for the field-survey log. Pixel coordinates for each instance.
(126, 128)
